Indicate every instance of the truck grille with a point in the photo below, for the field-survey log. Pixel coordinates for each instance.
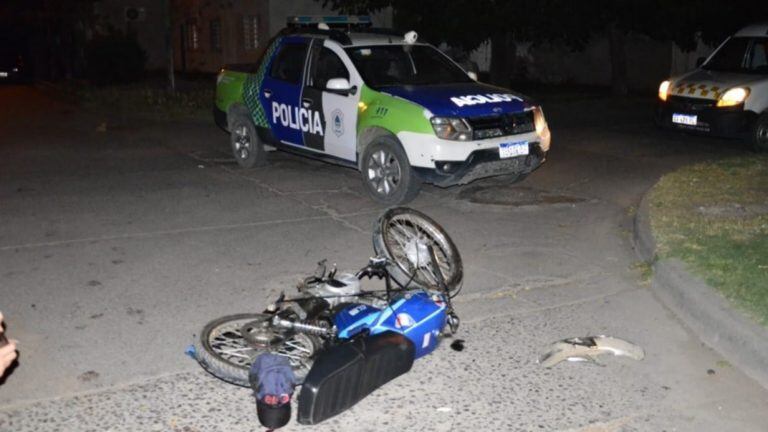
(501, 125)
(691, 104)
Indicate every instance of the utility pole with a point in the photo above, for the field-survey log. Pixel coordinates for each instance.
(169, 44)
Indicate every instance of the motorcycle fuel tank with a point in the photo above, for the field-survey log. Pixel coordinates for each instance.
(418, 316)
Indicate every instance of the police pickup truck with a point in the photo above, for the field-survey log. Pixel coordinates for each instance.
(396, 109)
(727, 95)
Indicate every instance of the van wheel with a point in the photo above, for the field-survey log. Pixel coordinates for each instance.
(246, 146)
(760, 133)
(387, 175)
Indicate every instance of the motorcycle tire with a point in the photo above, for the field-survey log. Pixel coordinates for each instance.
(233, 367)
(401, 235)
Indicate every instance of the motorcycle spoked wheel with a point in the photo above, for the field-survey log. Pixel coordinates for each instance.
(223, 351)
(402, 235)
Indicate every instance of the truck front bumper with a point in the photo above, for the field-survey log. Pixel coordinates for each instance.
(220, 117)
(729, 122)
(481, 164)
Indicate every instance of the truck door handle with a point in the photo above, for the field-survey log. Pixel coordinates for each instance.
(267, 93)
(307, 102)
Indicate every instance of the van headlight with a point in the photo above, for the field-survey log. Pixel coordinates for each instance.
(664, 90)
(451, 128)
(733, 97)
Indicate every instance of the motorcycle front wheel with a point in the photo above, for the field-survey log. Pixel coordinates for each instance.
(404, 236)
(225, 347)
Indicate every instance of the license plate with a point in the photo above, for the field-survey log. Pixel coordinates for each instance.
(686, 119)
(508, 150)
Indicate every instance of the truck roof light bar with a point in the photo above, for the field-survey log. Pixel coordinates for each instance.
(330, 20)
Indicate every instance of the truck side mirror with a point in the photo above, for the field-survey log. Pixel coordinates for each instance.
(340, 86)
(700, 61)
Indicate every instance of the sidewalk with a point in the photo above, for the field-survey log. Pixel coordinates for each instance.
(714, 320)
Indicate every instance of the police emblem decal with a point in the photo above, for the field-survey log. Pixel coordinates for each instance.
(338, 122)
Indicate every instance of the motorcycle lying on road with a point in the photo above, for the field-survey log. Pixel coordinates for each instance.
(343, 341)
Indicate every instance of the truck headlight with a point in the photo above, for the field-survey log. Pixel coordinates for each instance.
(733, 97)
(542, 129)
(538, 120)
(451, 128)
(664, 90)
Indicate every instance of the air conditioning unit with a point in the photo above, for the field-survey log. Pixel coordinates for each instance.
(134, 14)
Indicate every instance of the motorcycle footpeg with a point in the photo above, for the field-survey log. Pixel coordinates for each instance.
(453, 323)
(345, 374)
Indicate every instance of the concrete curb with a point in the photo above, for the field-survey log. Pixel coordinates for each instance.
(710, 316)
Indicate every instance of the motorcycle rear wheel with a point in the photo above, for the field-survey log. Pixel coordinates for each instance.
(402, 235)
(222, 350)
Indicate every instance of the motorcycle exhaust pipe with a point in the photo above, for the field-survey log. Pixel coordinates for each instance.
(308, 327)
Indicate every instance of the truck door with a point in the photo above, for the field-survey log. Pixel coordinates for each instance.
(281, 91)
(338, 109)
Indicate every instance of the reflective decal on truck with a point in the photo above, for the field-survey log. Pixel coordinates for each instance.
(303, 119)
(483, 99)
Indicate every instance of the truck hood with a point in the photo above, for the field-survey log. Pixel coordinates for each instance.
(704, 84)
(461, 100)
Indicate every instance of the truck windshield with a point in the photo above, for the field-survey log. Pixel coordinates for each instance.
(741, 54)
(389, 65)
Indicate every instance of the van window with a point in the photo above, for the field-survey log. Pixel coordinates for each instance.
(741, 54)
(757, 59)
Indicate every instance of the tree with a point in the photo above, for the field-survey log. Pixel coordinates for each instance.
(469, 23)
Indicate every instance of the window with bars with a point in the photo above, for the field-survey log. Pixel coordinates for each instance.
(215, 33)
(193, 36)
(251, 32)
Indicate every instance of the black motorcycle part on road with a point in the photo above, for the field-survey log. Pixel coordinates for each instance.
(345, 374)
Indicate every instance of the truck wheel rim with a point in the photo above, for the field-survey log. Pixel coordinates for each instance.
(242, 142)
(384, 173)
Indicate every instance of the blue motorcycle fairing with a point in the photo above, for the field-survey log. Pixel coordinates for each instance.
(417, 316)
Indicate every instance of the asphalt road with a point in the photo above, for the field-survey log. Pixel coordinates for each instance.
(120, 238)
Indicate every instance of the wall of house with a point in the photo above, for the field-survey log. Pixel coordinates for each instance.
(270, 16)
(649, 62)
(149, 28)
(230, 14)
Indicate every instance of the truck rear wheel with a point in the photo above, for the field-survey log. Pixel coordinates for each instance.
(246, 146)
(387, 175)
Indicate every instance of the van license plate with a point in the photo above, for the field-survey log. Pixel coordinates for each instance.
(686, 119)
(508, 150)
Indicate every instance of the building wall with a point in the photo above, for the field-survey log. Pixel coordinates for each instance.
(191, 16)
(648, 62)
(270, 16)
(149, 28)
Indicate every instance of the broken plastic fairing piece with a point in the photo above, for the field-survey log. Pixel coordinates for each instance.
(588, 348)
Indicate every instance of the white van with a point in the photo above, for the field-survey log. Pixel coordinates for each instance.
(727, 95)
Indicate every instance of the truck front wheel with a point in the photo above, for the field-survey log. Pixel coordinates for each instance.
(760, 133)
(387, 175)
(246, 146)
